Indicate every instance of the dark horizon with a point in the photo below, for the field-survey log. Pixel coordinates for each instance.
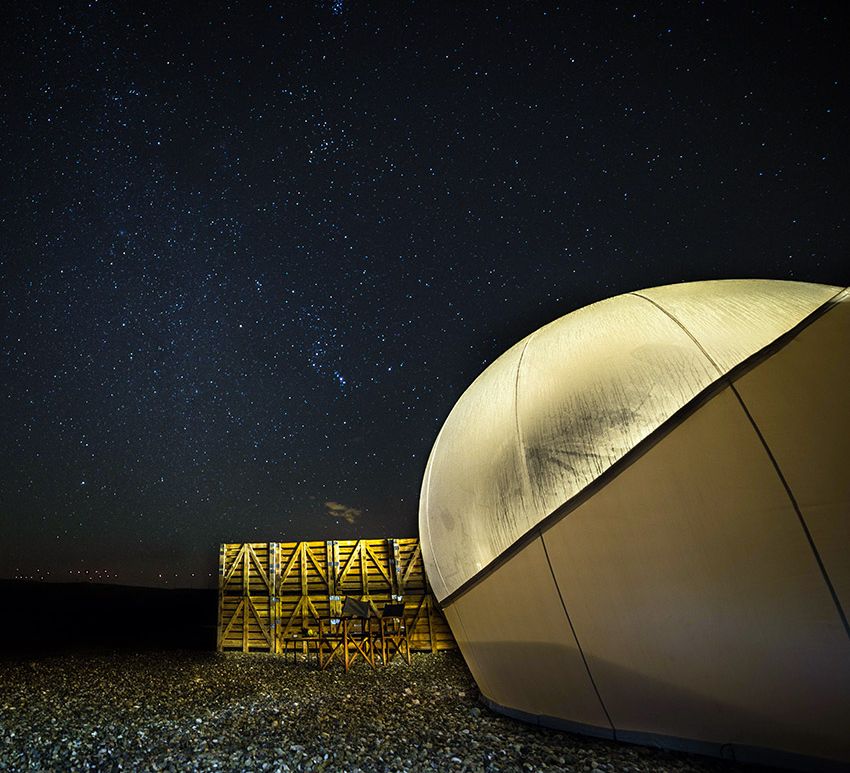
(252, 257)
(54, 618)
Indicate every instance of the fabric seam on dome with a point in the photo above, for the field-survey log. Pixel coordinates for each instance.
(687, 332)
(723, 381)
(526, 474)
(575, 636)
(796, 507)
(801, 519)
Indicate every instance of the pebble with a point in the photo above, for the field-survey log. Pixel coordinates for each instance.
(195, 711)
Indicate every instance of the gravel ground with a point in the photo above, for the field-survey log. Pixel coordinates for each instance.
(178, 711)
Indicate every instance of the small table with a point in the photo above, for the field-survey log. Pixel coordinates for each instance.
(305, 643)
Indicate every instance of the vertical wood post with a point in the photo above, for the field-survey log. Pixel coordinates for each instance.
(338, 601)
(272, 575)
(332, 552)
(364, 570)
(246, 594)
(329, 562)
(303, 559)
(222, 554)
(395, 574)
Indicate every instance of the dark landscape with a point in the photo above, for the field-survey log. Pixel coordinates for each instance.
(57, 617)
(109, 678)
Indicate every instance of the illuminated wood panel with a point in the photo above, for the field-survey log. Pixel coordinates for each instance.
(274, 592)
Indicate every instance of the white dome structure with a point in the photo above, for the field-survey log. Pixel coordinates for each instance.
(637, 521)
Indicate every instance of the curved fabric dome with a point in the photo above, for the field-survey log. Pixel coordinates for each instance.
(637, 521)
(549, 416)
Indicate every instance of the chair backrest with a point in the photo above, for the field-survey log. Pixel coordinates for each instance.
(393, 610)
(354, 608)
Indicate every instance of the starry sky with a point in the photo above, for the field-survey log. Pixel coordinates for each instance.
(252, 253)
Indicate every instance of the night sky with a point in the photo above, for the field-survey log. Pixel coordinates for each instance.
(252, 254)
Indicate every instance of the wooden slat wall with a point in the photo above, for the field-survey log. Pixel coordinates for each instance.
(273, 591)
(247, 603)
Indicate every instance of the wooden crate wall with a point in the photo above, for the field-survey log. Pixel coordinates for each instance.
(246, 596)
(270, 592)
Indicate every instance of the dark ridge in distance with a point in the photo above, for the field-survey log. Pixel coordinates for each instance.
(56, 617)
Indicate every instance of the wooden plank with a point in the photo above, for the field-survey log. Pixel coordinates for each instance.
(258, 565)
(263, 630)
(222, 553)
(364, 574)
(304, 607)
(233, 619)
(397, 585)
(235, 563)
(334, 601)
(291, 562)
(417, 553)
(351, 558)
(378, 564)
(316, 564)
(245, 601)
(286, 629)
(273, 607)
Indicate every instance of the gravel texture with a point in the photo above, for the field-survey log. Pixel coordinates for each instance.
(178, 711)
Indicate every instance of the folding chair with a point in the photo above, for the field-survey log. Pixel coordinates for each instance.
(350, 637)
(394, 639)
